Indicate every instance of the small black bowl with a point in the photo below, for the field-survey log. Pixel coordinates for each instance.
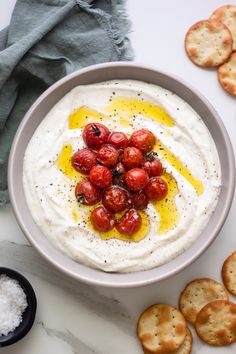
(29, 314)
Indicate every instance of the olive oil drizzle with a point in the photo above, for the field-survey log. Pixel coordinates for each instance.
(79, 117)
(124, 109)
(75, 215)
(166, 154)
(166, 208)
(129, 107)
(63, 163)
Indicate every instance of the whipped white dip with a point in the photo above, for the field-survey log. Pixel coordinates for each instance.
(50, 193)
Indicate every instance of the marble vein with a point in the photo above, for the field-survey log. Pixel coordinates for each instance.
(77, 346)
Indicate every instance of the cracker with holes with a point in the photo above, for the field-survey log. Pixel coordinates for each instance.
(161, 329)
(208, 43)
(227, 15)
(197, 294)
(185, 348)
(216, 323)
(229, 273)
(227, 75)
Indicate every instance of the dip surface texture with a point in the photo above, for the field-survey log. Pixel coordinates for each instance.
(184, 146)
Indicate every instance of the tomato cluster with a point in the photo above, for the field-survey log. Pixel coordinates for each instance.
(122, 173)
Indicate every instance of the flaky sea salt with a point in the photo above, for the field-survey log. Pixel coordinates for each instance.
(12, 304)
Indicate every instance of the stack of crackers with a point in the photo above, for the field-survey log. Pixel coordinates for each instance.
(212, 43)
(204, 303)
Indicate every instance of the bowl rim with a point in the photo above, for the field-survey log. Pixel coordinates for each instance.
(128, 276)
(28, 316)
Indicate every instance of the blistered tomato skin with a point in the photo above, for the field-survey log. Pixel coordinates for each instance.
(115, 199)
(136, 179)
(86, 194)
(132, 157)
(83, 160)
(118, 139)
(118, 174)
(107, 155)
(153, 167)
(100, 176)
(143, 140)
(95, 135)
(129, 223)
(102, 220)
(139, 201)
(156, 189)
(123, 172)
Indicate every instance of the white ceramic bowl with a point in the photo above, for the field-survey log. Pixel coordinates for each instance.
(99, 73)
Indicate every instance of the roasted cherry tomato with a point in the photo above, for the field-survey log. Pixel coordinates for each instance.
(83, 160)
(143, 140)
(85, 193)
(118, 139)
(129, 223)
(101, 219)
(136, 179)
(100, 176)
(95, 134)
(107, 155)
(156, 189)
(152, 165)
(139, 200)
(115, 199)
(132, 157)
(118, 174)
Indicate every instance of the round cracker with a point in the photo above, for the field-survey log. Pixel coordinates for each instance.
(185, 348)
(161, 329)
(227, 75)
(227, 15)
(197, 294)
(208, 43)
(229, 273)
(216, 323)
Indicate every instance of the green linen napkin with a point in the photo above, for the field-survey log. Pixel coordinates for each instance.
(46, 40)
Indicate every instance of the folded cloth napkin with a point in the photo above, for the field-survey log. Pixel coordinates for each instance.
(46, 40)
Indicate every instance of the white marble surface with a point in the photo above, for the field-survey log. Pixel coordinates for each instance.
(77, 318)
